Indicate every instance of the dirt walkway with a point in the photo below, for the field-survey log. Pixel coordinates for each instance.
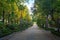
(33, 33)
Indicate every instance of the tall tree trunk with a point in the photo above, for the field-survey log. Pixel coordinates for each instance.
(58, 24)
(51, 14)
(56, 21)
(3, 15)
(47, 21)
(52, 17)
(8, 19)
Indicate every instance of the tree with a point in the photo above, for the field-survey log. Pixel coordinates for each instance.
(48, 8)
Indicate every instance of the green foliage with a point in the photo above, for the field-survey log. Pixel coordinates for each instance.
(4, 30)
(21, 7)
(48, 7)
(11, 11)
(55, 33)
(50, 10)
(13, 27)
(25, 24)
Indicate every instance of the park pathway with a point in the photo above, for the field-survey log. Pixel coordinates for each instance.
(33, 33)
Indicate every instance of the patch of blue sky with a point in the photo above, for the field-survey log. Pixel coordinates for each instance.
(29, 5)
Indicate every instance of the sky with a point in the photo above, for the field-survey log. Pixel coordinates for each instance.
(29, 5)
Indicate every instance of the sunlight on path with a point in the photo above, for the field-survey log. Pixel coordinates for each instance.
(33, 33)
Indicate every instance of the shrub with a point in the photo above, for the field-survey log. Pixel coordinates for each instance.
(4, 30)
(13, 27)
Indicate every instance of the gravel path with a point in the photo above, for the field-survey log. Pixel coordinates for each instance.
(33, 33)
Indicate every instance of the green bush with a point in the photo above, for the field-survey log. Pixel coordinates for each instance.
(4, 30)
(10, 28)
(25, 24)
(13, 27)
(55, 33)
